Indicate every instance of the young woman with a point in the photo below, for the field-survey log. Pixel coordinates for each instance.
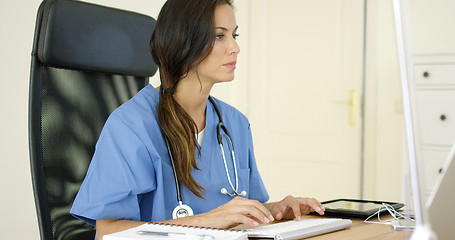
(159, 156)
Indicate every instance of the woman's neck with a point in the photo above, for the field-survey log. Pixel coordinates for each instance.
(193, 98)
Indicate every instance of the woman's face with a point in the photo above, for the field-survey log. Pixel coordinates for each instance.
(220, 64)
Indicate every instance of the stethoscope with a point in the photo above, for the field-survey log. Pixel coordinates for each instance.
(183, 210)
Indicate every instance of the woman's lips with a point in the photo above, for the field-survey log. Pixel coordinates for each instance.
(231, 65)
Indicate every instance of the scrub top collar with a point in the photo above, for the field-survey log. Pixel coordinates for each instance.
(210, 134)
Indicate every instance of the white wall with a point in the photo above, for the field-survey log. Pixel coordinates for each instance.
(17, 21)
(384, 116)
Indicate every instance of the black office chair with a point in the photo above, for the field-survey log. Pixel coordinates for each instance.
(86, 61)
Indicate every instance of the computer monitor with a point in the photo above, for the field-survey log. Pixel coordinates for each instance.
(434, 221)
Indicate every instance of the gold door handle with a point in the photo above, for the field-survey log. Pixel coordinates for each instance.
(352, 103)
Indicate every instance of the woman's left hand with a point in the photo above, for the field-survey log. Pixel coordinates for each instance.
(291, 207)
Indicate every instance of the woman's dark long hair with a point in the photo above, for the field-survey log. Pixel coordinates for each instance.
(184, 36)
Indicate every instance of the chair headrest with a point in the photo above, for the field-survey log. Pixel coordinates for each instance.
(83, 36)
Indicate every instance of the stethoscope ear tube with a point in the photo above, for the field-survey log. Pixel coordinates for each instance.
(220, 124)
(220, 140)
(218, 132)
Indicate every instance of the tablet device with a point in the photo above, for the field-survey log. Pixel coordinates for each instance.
(355, 208)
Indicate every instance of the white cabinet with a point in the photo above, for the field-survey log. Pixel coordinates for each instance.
(433, 47)
(435, 112)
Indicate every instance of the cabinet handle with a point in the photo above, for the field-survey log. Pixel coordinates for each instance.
(426, 74)
(443, 117)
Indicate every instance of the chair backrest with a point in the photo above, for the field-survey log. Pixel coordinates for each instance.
(86, 61)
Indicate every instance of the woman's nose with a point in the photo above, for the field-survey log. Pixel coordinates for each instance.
(234, 48)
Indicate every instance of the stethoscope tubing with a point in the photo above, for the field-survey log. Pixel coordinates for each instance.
(179, 195)
(227, 171)
(220, 126)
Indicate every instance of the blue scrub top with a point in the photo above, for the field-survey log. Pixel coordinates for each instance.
(131, 176)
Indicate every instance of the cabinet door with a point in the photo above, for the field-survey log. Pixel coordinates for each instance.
(431, 166)
(436, 116)
(305, 71)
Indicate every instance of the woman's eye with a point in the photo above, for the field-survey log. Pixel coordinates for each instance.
(221, 36)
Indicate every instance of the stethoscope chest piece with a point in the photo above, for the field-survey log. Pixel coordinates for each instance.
(182, 210)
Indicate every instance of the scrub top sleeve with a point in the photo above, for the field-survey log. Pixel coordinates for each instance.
(257, 188)
(121, 169)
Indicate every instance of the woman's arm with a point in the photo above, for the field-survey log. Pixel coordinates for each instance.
(291, 207)
(237, 211)
(108, 226)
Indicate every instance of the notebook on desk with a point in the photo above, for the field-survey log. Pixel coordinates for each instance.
(288, 230)
(151, 231)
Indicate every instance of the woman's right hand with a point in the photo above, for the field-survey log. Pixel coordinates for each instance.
(237, 211)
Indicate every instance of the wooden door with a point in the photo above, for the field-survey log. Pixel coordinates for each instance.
(303, 94)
